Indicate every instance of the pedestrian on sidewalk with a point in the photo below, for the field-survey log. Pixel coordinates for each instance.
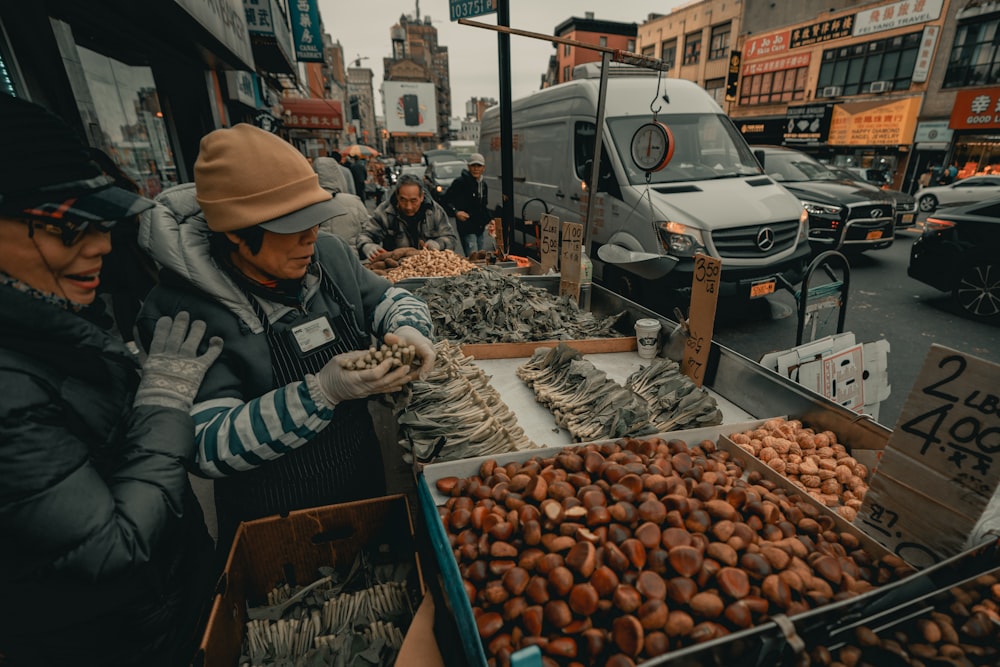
(465, 200)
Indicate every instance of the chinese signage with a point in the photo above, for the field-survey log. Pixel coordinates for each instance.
(823, 31)
(305, 31)
(226, 22)
(313, 114)
(787, 62)
(264, 18)
(976, 109)
(874, 123)
(733, 77)
(243, 88)
(464, 9)
(936, 475)
(768, 45)
(809, 124)
(897, 15)
(926, 53)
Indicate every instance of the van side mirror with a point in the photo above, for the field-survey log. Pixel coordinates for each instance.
(760, 157)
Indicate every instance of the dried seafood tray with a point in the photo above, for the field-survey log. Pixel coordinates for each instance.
(469, 625)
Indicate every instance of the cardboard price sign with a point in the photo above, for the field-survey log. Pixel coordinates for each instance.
(569, 264)
(941, 465)
(701, 319)
(548, 242)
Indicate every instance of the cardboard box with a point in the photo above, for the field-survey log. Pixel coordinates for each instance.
(291, 549)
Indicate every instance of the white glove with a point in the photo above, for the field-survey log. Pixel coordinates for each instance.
(174, 370)
(339, 384)
(424, 347)
(431, 245)
(373, 251)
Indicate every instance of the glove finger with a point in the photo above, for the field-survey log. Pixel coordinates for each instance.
(160, 335)
(189, 348)
(212, 353)
(372, 376)
(394, 381)
(177, 332)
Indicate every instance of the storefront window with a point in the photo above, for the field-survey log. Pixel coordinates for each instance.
(855, 68)
(975, 56)
(774, 87)
(977, 154)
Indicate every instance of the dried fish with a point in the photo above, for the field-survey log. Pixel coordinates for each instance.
(493, 307)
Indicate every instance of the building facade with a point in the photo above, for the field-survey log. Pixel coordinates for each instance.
(609, 34)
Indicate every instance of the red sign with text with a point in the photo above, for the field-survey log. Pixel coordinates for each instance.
(976, 109)
(767, 45)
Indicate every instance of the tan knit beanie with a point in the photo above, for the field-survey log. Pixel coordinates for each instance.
(245, 176)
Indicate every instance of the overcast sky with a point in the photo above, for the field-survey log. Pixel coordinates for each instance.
(362, 28)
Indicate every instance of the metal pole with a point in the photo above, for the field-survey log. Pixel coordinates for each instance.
(506, 125)
(595, 168)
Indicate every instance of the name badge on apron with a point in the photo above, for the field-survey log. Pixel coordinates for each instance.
(313, 334)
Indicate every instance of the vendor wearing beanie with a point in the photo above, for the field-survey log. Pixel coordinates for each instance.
(279, 423)
(407, 219)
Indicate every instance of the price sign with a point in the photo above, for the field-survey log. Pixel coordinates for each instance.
(940, 467)
(701, 319)
(569, 264)
(464, 9)
(498, 237)
(548, 242)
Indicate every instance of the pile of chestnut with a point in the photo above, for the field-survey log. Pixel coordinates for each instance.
(612, 554)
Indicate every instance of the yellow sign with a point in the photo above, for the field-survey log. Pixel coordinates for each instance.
(874, 123)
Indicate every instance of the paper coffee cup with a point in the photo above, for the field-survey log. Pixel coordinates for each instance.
(647, 337)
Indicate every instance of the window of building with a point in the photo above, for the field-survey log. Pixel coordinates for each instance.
(649, 51)
(774, 87)
(602, 40)
(854, 68)
(975, 56)
(631, 45)
(720, 42)
(566, 73)
(717, 89)
(692, 48)
(668, 52)
(566, 48)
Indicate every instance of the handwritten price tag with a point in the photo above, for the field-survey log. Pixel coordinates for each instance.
(701, 319)
(940, 466)
(548, 242)
(569, 265)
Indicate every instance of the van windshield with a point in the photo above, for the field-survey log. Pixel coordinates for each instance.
(706, 146)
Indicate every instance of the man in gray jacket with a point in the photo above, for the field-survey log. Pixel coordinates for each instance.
(407, 219)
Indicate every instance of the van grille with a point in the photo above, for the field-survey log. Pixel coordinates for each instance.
(741, 242)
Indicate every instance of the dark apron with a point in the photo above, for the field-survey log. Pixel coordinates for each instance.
(342, 463)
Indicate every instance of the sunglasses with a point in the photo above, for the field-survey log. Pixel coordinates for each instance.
(69, 231)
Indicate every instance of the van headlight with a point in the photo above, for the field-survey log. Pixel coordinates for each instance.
(680, 240)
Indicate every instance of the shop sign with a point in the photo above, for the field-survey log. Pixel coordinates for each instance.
(874, 123)
(313, 114)
(242, 87)
(809, 124)
(226, 22)
(787, 62)
(932, 131)
(822, 31)
(897, 15)
(976, 109)
(768, 45)
(923, 65)
(733, 77)
(264, 18)
(305, 31)
(762, 130)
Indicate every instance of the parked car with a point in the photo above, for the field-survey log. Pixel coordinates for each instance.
(843, 215)
(906, 204)
(968, 190)
(439, 175)
(957, 253)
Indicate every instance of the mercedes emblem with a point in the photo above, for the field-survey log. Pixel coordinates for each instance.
(765, 238)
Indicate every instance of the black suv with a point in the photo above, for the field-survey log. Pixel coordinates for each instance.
(843, 215)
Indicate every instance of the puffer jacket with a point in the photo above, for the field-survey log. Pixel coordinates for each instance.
(388, 229)
(351, 212)
(106, 558)
(467, 194)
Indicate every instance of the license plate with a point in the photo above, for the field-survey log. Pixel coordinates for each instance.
(762, 288)
(875, 234)
(908, 218)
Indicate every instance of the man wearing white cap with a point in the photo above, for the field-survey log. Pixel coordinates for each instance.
(279, 422)
(466, 201)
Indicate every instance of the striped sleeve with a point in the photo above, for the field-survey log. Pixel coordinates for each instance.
(233, 435)
(399, 308)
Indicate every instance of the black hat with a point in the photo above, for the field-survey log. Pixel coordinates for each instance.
(47, 172)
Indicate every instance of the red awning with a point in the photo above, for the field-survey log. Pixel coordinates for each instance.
(313, 114)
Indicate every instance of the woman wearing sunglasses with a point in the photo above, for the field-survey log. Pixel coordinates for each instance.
(106, 558)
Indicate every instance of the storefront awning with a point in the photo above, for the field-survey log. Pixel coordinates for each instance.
(313, 114)
(875, 123)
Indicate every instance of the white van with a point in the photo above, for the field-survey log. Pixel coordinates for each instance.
(711, 198)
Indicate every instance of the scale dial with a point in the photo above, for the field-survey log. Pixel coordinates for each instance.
(652, 146)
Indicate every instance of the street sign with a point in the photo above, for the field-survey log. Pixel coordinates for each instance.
(464, 9)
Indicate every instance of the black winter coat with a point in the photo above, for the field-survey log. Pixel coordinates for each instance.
(106, 559)
(465, 194)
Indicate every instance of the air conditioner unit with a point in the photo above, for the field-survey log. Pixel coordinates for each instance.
(832, 91)
(880, 86)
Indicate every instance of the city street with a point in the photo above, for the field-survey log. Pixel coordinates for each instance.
(883, 302)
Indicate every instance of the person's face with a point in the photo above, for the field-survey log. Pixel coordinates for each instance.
(281, 256)
(409, 197)
(477, 170)
(45, 263)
